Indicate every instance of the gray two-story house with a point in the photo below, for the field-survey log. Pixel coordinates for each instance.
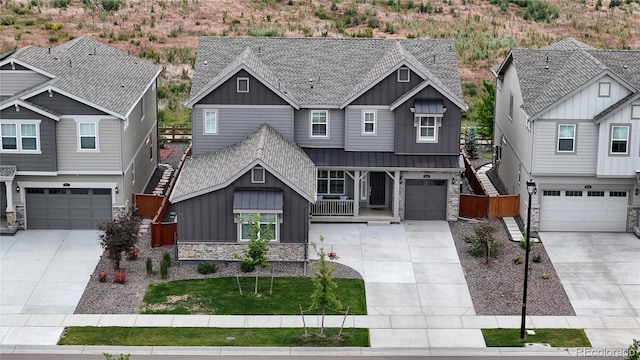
(568, 117)
(78, 130)
(318, 129)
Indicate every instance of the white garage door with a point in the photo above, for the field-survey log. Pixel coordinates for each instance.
(575, 210)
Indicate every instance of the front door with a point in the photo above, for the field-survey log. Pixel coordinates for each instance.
(377, 182)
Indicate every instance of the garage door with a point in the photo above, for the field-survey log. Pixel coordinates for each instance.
(67, 208)
(571, 210)
(425, 199)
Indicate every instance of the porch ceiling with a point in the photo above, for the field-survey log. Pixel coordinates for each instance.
(372, 159)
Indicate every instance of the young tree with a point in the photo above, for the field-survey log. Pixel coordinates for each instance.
(323, 284)
(485, 110)
(259, 237)
(471, 143)
(118, 236)
(483, 242)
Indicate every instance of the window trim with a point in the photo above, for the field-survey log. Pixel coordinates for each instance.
(253, 173)
(635, 111)
(150, 144)
(142, 107)
(96, 124)
(436, 125)
(204, 122)
(238, 81)
(573, 143)
(627, 140)
(18, 136)
(326, 124)
(277, 222)
(133, 173)
(511, 101)
(330, 179)
(364, 188)
(408, 73)
(601, 87)
(365, 122)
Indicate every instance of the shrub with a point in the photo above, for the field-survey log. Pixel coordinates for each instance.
(120, 277)
(118, 235)
(60, 3)
(102, 276)
(207, 267)
(484, 243)
(388, 28)
(149, 265)
(468, 238)
(8, 21)
(112, 5)
(166, 257)
(132, 254)
(536, 258)
(523, 244)
(545, 275)
(164, 268)
(633, 351)
(517, 260)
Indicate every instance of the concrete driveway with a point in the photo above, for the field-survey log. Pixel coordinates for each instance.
(599, 271)
(46, 271)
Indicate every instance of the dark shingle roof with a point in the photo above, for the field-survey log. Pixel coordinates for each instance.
(265, 146)
(339, 67)
(93, 71)
(375, 159)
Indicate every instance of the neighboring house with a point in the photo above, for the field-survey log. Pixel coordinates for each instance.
(568, 117)
(317, 129)
(78, 131)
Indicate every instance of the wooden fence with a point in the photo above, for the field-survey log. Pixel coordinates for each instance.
(147, 204)
(480, 204)
(174, 133)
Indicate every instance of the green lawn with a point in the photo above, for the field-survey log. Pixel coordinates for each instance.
(170, 336)
(554, 337)
(220, 296)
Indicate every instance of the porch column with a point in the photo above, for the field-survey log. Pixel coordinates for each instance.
(11, 217)
(356, 193)
(396, 194)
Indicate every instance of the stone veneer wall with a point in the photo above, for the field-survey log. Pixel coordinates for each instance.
(19, 213)
(190, 251)
(632, 218)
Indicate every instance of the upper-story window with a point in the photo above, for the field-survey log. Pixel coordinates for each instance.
(404, 74)
(257, 175)
(143, 107)
(22, 136)
(243, 85)
(604, 89)
(511, 106)
(368, 122)
(427, 128)
(210, 122)
(635, 111)
(88, 136)
(619, 139)
(566, 137)
(319, 123)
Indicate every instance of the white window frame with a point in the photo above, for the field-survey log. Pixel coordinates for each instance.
(133, 173)
(204, 122)
(402, 79)
(96, 126)
(261, 213)
(142, 107)
(419, 127)
(258, 179)
(604, 89)
(364, 188)
(635, 111)
(150, 144)
(241, 80)
(329, 179)
(572, 138)
(626, 140)
(373, 121)
(19, 136)
(511, 106)
(313, 121)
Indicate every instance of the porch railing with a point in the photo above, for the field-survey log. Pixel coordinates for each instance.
(332, 207)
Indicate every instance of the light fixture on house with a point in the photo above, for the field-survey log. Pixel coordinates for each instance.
(587, 187)
(18, 190)
(117, 190)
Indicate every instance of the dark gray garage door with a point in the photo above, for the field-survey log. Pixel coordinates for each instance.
(425, 199)
(67, 208)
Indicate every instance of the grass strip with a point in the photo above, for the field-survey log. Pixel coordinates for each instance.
(562, 338)
(221, 296)
(197, 336)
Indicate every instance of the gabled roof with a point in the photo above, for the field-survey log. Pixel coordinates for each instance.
(265, 147)
(90, 72)
(551, 74)
(327, 71)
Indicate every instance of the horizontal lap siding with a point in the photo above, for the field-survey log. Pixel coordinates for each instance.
(547, 161)
(13, 82)
(336, 129)
(46, 160)
(109, 157)
(381, 141)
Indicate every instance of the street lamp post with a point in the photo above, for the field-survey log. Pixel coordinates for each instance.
(531, 189)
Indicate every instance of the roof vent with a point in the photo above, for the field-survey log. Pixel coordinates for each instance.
(70, 63)
(206, 62)
(311, 83)
(122, 86)
(434, 58)
(546, 66)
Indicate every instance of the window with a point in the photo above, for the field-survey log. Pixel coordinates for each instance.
(257, 175)
(511, 106)
(566, 137)
(88, 136)
(427, 126)
(268, 225)
(519, 173)
(133, 173)
(319, 123)
(150, 144)
(364, 190)
(20, 136)
(617, 194)
(573, 193)
(635, 111)
(595, 193)
(210, 122)
(551, 193)
(619, 139)
(142, 107)
(404, 74)
(604, 89)
(330, 182)
(368, 123)
(243, 85)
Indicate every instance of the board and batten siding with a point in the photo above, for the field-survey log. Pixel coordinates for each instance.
(15, 81)
(210, 217)
(63, 104)
(302, 120)
(586, 103)
(258, 94)
(546, 158)
(46, 160)
(235, 123)
(382, 140)
(387, 90)
(619, 165)
(107, 159)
